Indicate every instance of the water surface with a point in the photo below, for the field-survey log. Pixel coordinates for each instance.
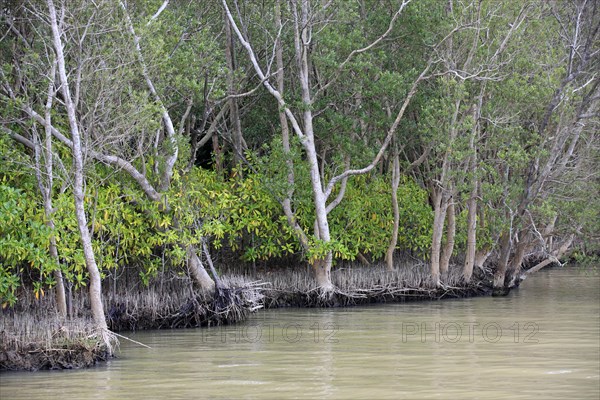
(541, 341)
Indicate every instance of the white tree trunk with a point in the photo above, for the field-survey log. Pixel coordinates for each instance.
(234, 114)
(46, 186)
(302, 37)
(554, 256)
(95, 288)
(285, 137)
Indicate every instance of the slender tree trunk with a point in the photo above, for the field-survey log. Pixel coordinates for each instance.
(541, 265)
(285, 136)
(439, 215)
(46, 186)
(171, 134)
(450, 233)
(234, 114)
(440, 195)
(547, 234)
(566, 245)
(472, 202)
(217, 281)
(59, 289)
(484, 253)
(218, 154)
(61, 299)
(322, 267)
(471, 233)
(46, 190)
(302, 26)
(363, 260)
(95, 288)
(505, 247)
(389, 257)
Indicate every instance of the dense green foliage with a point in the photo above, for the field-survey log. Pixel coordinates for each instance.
(504, 105)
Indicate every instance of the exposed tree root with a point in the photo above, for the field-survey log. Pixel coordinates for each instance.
(24, 345)
(48, 342)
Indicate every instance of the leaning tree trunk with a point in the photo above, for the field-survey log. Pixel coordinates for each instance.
(234, 114)
(198, 272)
(514, 267)
(95, 288)
(481, 256)
(554, 257)
(165, 180)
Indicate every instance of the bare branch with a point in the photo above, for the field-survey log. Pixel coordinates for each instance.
(364, 49)
(388, 137)
(105, 158)
(170, 129)
(17, 137)
(342, 192)
(158, 12)
(278, 96)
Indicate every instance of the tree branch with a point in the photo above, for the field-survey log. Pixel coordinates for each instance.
(387, 140)
(170, 129)
(145, 185)
(18, 138)
(364, 49)
(157, 14)
(274, 92)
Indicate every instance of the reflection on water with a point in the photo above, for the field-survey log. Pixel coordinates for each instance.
(540, 341)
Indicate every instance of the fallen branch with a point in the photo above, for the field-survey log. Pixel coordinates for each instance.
(131, 340)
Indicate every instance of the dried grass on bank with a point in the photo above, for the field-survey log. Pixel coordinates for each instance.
(28, 342)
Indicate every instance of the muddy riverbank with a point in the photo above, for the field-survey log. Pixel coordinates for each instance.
(32, 339)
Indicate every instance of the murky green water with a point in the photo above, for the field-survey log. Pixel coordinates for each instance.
(542, 341)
